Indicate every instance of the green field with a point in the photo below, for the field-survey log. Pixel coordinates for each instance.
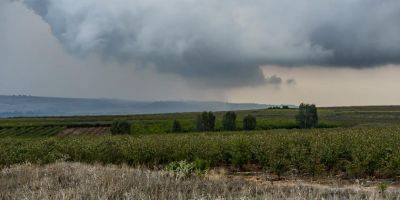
(352, 152)
(30, 131)
(266, 119)
(350, 142)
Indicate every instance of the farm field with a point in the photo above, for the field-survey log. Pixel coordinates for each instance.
(266, 119)
(318, 152)
(349, 144)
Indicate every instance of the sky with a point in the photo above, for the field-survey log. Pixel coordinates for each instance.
(333, 52)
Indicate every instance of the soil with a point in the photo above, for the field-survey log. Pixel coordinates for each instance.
(84, 131)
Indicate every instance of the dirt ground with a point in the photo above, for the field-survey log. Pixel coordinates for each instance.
(85, 131)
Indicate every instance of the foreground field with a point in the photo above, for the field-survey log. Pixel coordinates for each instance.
(69, 157)
(345, 152)
(81, 181)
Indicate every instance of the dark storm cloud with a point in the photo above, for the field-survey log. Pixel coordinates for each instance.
(223, 43)
(364, 34)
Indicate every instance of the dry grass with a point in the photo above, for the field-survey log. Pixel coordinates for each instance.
(81, 181)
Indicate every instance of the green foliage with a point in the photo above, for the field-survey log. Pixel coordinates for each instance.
(249, 123)
(307, 116)
(176, 127)
(184, 169)
(30, 131)
(229, 121)
(272, 118)
(201, 165)
(119, 127)
(280, 167)
(206, 121)
(279, 107)
(161, 123)
(309, 152)
(151, 126)
(382, 187)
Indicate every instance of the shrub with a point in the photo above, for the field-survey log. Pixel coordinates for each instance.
(182, 168)
(382, 187)
(229, 121)
(201, 165)
(280, 167)
(176, 127)
(206, 121)
(307, 116)
(249, 123)
(119, 127)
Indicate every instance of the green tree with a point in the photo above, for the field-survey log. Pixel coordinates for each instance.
(249, 123)
(120, 127)
(206, 121)
(307, 116)
(176, 127)
(229, 121)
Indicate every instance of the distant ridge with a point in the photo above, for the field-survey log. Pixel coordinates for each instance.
(31, 106)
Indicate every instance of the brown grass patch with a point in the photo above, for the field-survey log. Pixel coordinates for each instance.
(81, 181)
(84, 131)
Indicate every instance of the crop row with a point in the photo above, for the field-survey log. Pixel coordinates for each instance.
(189, 125)
(353, 152)
(146, 127)
(30, 131)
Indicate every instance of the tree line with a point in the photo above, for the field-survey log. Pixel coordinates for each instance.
(307, 117)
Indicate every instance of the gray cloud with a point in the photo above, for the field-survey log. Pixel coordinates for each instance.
(273, 80)
(291, 81)
(362, 34)
(223, 43)
(32, 61)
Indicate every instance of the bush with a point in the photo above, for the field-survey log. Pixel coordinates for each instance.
(206, 121)
(182, 168)
(307, 116)
(249, 123)
(382, 187)
(119, 127)
(176, 127)
(201, 165)
(229, 121)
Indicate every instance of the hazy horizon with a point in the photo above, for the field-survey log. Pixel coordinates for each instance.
(331, 53)
(193, 100)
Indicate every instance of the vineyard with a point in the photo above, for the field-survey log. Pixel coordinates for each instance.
(161, 123)
(32, 131)
(337, 146)
(349, 152)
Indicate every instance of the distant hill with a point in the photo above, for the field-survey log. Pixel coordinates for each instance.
(30, 106)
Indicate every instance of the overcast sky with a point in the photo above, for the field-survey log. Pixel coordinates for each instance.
(333, 52)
